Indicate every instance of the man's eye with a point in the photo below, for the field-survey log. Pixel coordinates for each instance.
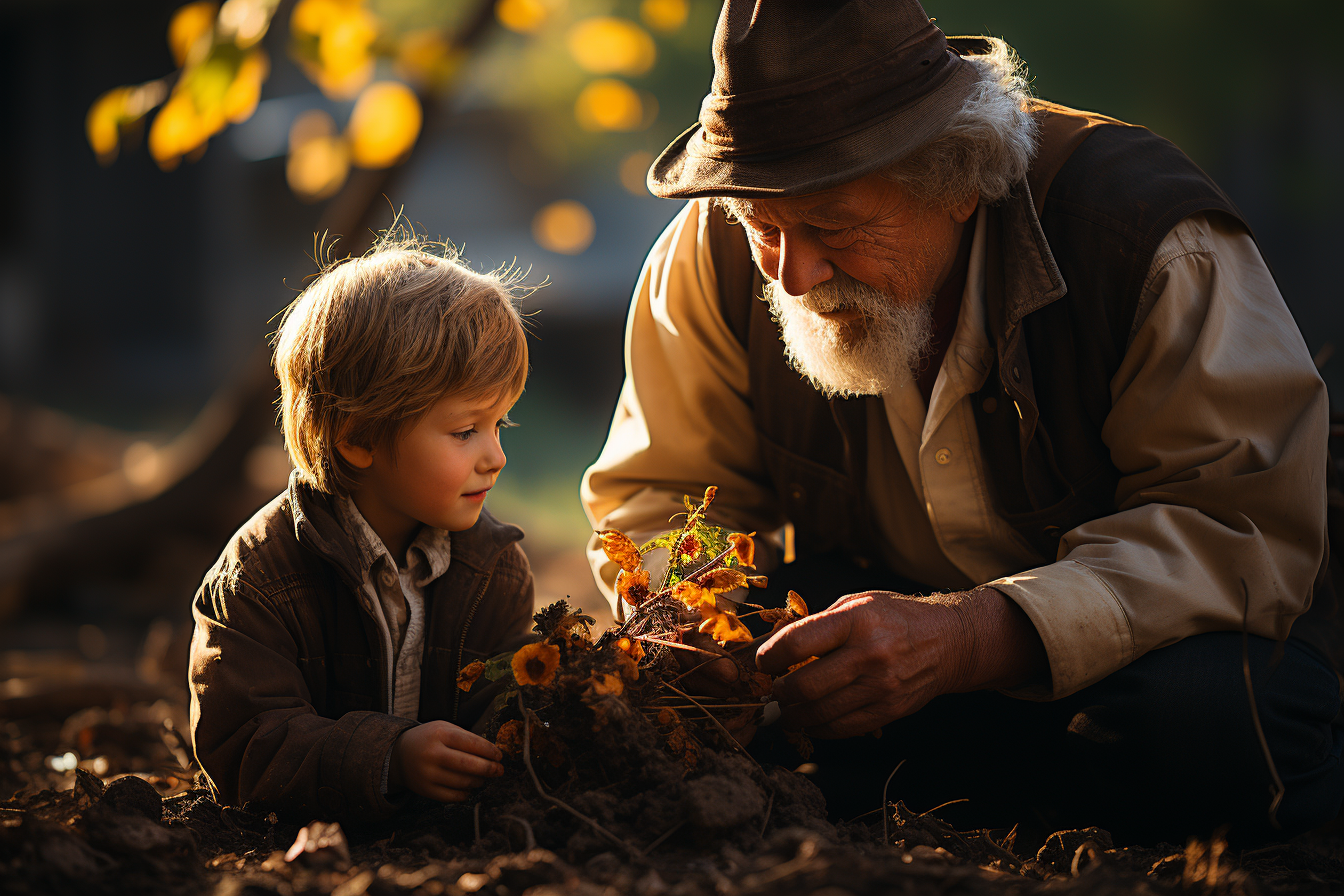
(837, 238)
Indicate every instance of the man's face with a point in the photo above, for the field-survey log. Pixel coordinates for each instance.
(851, 273)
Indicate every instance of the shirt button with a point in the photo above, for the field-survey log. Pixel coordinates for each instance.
(943, 456)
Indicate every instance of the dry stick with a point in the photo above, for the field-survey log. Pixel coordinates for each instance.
(886, 819)
(531, 842)
(1003, 854)
(732, 740)
(678, 646)
(663, 836)
(769, 807)
(554, 800)
(964, 799)
(1279, 789)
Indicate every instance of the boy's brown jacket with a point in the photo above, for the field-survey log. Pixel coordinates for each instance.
(289, 683)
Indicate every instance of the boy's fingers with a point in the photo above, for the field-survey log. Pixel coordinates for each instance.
(467, 763)
(455, 780)
(446, 794)
(461, 739)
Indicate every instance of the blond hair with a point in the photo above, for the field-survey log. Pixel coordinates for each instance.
(374, 342)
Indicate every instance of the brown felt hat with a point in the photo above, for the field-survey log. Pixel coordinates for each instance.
(808, 94)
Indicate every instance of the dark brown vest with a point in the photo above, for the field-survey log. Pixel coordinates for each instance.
(1068, 254)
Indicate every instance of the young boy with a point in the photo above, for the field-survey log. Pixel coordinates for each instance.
(330, 632)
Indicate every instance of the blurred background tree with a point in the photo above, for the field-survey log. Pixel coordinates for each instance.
(152, 230)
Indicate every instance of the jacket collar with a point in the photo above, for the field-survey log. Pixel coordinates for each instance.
(1030, 277)
(318, 527)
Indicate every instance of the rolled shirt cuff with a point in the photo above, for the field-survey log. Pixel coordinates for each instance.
(1084, 627)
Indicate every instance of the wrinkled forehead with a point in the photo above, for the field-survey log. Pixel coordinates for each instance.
(850, 200)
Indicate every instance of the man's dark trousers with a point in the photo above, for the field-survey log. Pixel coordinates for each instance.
(1162, 749)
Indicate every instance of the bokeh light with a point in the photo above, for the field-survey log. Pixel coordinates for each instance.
(608, 45)
(523, 16)
(666, 16)
(334, 40)
(427, 58)
(188, 25)
(633, 171)
(566, 227)
(384, 125)
(245, 21)
(240, 100)
(319, 158)
(607, 104)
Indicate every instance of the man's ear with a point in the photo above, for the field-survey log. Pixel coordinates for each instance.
(962, 211)
(356, 456)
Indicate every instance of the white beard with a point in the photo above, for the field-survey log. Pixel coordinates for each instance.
(868, 358)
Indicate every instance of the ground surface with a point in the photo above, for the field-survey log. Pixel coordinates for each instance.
(102, 805)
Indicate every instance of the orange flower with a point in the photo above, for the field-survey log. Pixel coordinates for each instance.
(632, 647)
(536, 663)
(470, 672)
(693, 596)
(633, 587)
(509, 738)
(620, 549)
(725, 627)
(744, 549)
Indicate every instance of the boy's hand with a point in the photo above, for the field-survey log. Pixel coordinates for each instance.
(441, 761)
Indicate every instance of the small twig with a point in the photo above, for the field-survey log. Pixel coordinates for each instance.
(732, 740)
(1279, 789)
(662, 706)
(663, 836)
(769, 807)
(944, 806)
(717, 656)
(528, 716)
(476, 821)
(886, 818)
(1003, 854)
(531, 842)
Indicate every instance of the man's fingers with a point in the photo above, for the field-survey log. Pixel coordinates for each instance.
(817, 680)
(812, 713)
(815, 635)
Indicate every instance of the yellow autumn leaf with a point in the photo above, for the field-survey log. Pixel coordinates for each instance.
(725, 627)
(384, 124)
(758, 581)
(722, 580)
(693, 596)
(797, 605)
(744, 548)
(620, 549)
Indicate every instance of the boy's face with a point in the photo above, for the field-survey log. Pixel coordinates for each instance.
(439, 474)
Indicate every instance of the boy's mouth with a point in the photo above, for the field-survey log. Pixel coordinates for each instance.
(477, 496)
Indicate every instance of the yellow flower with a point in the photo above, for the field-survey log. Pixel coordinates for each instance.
(536, 663)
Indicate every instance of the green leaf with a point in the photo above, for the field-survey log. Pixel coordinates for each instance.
(498, 666)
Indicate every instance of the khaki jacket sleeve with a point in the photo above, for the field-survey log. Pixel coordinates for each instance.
(684, 420)
(254, 729)
(1218, 427)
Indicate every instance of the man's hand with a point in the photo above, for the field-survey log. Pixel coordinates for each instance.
(883, 656)
(442, 761)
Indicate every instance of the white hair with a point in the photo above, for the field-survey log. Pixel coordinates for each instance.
(987, 146)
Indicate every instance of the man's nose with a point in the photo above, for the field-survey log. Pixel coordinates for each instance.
(801, 263)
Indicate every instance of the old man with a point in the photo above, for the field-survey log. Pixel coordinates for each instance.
(1021, 386)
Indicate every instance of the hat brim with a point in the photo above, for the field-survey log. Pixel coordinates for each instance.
(690, 168)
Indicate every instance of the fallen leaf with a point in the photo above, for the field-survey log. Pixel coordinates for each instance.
(723, 580)
(633, 587)
(725, 627)
(797, 604)
(470, 672)
(620, 549)
(744, 549)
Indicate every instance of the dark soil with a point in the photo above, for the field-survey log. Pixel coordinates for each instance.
(724, 827)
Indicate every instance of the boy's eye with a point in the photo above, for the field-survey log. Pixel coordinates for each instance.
(464, 434)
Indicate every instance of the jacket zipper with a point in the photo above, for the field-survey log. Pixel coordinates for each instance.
(462, 644)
